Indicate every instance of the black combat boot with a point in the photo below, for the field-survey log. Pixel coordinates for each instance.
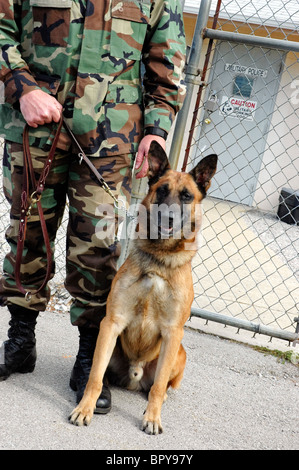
(19, 351)
(81, 370)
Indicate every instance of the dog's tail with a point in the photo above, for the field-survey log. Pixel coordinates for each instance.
(136, 372)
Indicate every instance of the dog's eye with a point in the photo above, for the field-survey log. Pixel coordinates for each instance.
(185, 196)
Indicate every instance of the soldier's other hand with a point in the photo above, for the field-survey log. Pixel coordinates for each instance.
(143, 149)
(39, 108)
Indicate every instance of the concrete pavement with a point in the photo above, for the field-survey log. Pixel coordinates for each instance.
(231, 397)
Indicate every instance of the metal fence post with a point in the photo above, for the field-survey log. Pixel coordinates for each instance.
(192, 78)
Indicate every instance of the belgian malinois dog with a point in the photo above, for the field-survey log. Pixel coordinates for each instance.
(139, 341)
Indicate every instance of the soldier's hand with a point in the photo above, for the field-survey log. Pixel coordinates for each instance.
(143, 149)
(39, 108)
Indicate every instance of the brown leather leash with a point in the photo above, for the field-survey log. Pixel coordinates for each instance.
(32, 197)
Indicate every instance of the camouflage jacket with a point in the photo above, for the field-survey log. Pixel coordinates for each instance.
(88, 54)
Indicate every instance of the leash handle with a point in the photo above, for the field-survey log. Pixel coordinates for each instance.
(27, 202)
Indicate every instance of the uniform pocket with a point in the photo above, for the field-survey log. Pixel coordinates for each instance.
(122, 93)
(51, 22)
(129, 25)
(123, 115)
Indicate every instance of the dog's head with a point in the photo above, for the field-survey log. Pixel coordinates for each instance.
(174, 197)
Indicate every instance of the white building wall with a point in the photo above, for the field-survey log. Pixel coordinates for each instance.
(280, 167)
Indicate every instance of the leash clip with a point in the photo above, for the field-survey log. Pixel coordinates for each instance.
(119, 205)
(34, 199)
(28, 296)
(81, 156)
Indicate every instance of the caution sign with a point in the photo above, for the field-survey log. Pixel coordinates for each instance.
(238, 108)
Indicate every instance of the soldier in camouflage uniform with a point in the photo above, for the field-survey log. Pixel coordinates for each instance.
(81, 58)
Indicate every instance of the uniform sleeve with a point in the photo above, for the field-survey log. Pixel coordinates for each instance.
(14, 71)
(164, 60)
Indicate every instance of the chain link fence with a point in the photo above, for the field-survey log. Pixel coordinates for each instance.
(245, 109)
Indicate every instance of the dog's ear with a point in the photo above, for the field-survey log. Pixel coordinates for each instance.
(157, 161)
(204, 172)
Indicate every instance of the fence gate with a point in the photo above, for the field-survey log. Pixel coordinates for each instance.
(243, 105)
(236, 116)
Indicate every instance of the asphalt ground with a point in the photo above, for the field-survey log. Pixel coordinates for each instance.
(232, 397)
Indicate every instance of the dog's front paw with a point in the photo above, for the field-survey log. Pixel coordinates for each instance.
(152, 426)
(81, 416)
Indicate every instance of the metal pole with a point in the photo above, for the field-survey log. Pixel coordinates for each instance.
(280, 44)
(200, 89)
(192, 78)
(244, 324)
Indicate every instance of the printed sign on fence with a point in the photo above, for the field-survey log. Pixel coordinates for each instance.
(238, 108)
(251, 71)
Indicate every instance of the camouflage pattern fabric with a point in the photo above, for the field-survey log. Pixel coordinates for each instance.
(91, 257)
(88, 55)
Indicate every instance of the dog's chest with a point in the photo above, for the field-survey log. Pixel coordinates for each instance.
(153, 305)
(150, 316)
(155, 295)
(154, 284)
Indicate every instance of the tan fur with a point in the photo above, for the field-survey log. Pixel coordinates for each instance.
(149, 303)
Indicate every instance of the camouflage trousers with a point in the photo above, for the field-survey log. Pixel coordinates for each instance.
(91, 252)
